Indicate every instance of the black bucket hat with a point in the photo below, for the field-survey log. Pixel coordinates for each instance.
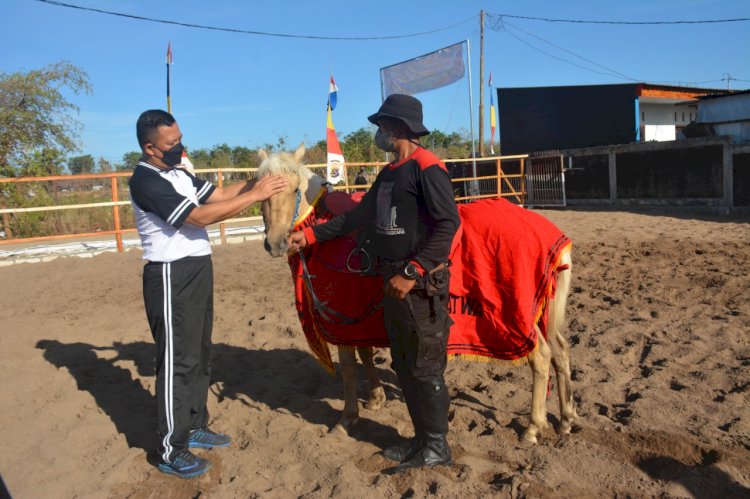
(402, 107)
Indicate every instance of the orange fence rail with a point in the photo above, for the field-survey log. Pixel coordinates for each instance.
(467, 188)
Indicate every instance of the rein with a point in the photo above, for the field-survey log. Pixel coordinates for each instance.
(326, 312)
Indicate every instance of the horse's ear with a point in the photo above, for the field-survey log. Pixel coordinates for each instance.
(299, 153)
(262, 155)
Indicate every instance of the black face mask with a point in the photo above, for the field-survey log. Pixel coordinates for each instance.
(172, 157)
(384, 140)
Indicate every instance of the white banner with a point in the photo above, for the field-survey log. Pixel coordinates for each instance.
(427, 72)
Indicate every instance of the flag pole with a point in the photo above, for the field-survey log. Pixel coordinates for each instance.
(169, 61)
(474, 186)
(481, 83)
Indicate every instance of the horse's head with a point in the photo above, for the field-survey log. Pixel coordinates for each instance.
(280, 210)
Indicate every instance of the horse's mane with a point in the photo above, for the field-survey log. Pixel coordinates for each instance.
(280, 163)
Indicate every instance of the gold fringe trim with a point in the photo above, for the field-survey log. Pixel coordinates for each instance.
(491, 360)
(331, 370)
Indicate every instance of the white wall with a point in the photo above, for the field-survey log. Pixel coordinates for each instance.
(659, 121)
(659, 133)
(667, 114)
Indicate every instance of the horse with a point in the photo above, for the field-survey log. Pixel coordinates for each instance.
(300, 196)
(288, 209)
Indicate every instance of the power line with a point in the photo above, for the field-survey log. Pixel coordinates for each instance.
(616, 73)
(250, 32)
(639, 23)
(499, 25)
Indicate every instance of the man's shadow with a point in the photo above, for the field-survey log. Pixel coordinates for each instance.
(130, 406)
(285, 380)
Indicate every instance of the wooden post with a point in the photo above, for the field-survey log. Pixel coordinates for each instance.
(6, 223)
(116, 215)
(499, 168)
(523, 181)
(222, 225)
(346, 177)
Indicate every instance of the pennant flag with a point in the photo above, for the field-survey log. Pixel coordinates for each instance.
(332, 93)
(427, 72)
(334, 157)
(493, 122)
(169, 61)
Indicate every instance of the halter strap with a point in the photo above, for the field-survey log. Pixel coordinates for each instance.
(297, 220)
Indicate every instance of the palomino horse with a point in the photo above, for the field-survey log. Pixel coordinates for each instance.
(296, 201)
(284, 210)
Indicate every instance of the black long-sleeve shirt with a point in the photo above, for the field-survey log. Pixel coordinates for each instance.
(412, 209)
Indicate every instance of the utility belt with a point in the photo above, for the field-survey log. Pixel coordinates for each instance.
(436, 282)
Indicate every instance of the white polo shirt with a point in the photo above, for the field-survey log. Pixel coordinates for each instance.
(162, 200)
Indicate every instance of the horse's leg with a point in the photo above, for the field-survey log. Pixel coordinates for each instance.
(377, 394)
(539, 363)
(560, 351)
(349, 378)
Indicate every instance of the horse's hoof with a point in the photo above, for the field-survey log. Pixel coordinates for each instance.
(376, 401)
(343, 427)
(529, 436)
(374, 404)
(564, 428)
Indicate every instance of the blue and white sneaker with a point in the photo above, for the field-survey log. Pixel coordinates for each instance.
(203, 438)
(185, 464)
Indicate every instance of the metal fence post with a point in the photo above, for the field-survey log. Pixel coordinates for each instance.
(116, 215)
(222, 225)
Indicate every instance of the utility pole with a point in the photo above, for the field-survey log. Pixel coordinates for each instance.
(481, 83)
(728, 77)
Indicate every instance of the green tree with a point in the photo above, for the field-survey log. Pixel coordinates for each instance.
(41, 163)
(105, 166)
(244, 157)
(201, 158)
(81, 164)
(34, 113)
(360, 146)
(130, 160)
(317, 153)
(221, 156)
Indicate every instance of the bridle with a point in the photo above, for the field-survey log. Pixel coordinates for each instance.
(326, 312)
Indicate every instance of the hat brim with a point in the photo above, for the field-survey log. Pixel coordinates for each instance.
(415, 126)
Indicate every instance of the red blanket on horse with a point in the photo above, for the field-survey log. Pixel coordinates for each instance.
(504, 263)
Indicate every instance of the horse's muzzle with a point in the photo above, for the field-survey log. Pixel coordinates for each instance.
(276, 249)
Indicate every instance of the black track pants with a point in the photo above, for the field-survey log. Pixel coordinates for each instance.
(179, 308)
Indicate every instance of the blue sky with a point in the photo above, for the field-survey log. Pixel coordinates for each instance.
(250, 90)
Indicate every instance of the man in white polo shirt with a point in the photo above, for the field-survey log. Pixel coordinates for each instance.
(172, 209)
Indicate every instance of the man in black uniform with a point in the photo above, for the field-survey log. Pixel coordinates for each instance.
(172, 209)
(411, 218)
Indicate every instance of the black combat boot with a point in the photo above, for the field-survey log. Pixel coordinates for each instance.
(434, 402)
(406, 450)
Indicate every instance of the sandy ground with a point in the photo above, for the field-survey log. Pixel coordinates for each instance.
(658, 323)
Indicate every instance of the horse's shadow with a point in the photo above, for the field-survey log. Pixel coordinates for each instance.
(701, 480)
(285, 380)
